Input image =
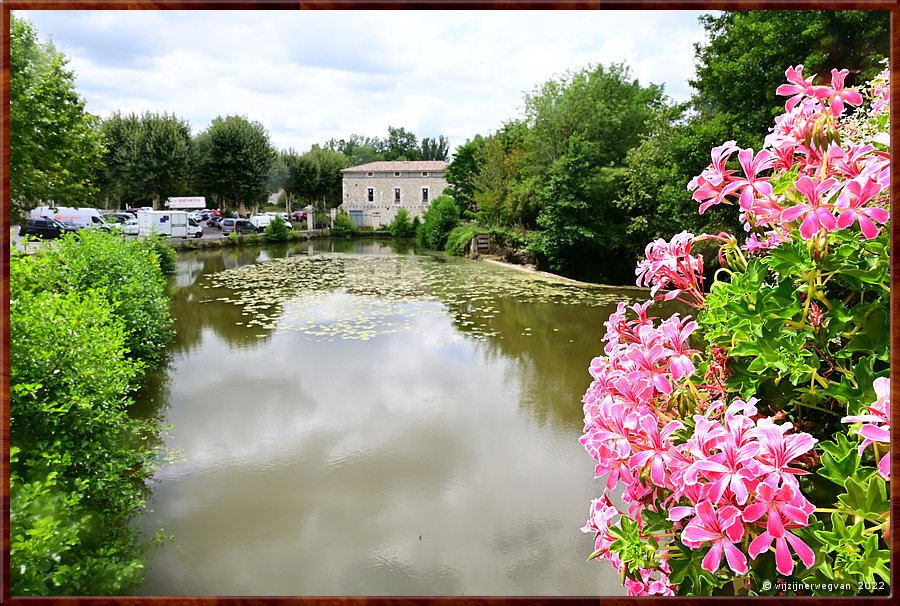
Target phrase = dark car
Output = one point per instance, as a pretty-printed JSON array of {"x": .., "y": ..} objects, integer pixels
[
  {"x": 241, "y": 226},
  {"x": 45, "y": 228},
  {"x": 214, "y": 221}
]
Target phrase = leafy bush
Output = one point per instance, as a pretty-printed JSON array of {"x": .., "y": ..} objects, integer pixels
[
  {"x": 83, "y": 316},
  {"x": 459, "y": 238},
  {"x": 401, "y": 226},
  {"x": 277, "y": 230},
  {"x": 343, "y": 226},
  {"x": 757, "y": 446},
  {"x": 125, "y": 272},
  {"x": 166, "y": 254},
  {"x": 439, "y": 220}
]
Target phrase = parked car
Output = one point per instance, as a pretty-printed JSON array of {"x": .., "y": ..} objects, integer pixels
[
  {"x": 129, "y": 227},
  {"x": 122, "y": 217},
  {"x": 241, "y": 226},
  {"x": 298, "y": 216},
  {"x": 214, "y": 221},
  {"x": 45, "y": 228}
]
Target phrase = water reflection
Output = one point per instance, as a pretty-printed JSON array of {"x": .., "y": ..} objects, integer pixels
[{"x": 426, "y": 445}]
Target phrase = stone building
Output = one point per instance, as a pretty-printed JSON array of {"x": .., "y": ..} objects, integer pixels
[{"x": 374, "y": 192}]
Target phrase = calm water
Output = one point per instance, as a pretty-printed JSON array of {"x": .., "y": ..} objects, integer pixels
[{"x": 358, "y": 419}]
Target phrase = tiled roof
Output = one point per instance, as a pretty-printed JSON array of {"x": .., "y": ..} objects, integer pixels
[{"x": 411, "y": 165}]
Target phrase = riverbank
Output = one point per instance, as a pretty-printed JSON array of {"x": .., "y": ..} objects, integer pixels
[{"x": 531, "y": 269}]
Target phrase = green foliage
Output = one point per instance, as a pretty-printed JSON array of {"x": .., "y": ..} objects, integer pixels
[
  {"x": 125, "y": 272},
  {"x": 435, "y": 149},
  {"x": 460, "y": 236},
  {"x": 277, "y": 230},
  {"x": 401, "y": 226},
  {"x": 55, "y": 149},
  {"x": 744, "y": 61},
  {"x": 82, "y": 319},
  {"x": 462, "y": 172},
  {"x": 400, "y": 145},
  {"x": 166, "y": 255},
  {"x": 762, "y": 315},
  {"x": 147, "y": 158},
  {"x": 806, "y": 331},
  {"x": 458, "y": 239},
  {"x": 343, "y": 226},
  {"x": 233, "y": 158},
  {"x": 439, "y": 220}
]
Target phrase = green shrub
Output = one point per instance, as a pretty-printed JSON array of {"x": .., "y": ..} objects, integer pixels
[
  {"x": 277, "y": 230},
  {"x": 78, "y": 463},
  {"x": 126, "y": 273},
  {"x": 343, "y": 226},
  {"x": 440, "y": 219},
  {"x": 165, "y": 253},
  {"x": 459, "y": 238},
  {"x": 401, "y": 226}
]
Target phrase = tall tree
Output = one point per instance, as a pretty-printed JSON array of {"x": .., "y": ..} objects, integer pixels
[
  {"x": 401, "y": 145},
  {"x": 233, "y": 160},
  {"x": 581, "y": 129},
  {"x": 435, "y": 149},
  {"x": 462, "y": 171},
  {"x": 55, "y": 148},
  {"x": 358, "y": 149},
  {"x": 147, "y": 159},
  {"x": 744, "y": 61},
  {"x": 318, "y": 176}
]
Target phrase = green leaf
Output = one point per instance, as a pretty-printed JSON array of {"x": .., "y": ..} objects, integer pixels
[
  {"x": 840, "y": 459},
  {"x": 867, "y": 497}
]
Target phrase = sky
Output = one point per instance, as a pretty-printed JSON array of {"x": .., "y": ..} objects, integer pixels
[{"x": 309, "y": 76}]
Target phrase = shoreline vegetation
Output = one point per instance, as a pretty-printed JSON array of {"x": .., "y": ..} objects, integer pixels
[{"x": 89, "y": 318}]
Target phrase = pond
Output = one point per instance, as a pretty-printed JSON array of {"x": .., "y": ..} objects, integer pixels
[{"x": 359, "y": 418}]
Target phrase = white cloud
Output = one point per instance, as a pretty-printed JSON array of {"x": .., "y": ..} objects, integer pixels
[{"x": 308, "y": 76}]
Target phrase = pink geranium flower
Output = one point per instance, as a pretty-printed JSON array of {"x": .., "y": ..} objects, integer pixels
[
  {"x": 877, "y": 425},
  {"x": 778, "y": 505},
  {"x": 722, "y": 528},
  {"x": 838, "y": 95},
  {"x": 753, "y": 184},
  {"x": 779, "y": 450},
  {"x": 658, "y": 452},
  {"x": 852, "y": 204},
  {"x": 798, "y": 87},
  {"x": 817, "y": 215},
  {"x": 710, "y": 186},
  {"x": 783, "y": 544}
]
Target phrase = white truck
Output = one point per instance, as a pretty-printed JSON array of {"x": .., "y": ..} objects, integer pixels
[
  {"x": 80, "y": 217},
  {"x": 171, "y": 223},
  {"x": 261, "y": 221}
]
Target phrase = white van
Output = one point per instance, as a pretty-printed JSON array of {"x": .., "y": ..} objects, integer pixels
[
  {"x": 261, "y": 221},
  {"x": 80, "y": 217},
  {"x": 172, "y": 223}
]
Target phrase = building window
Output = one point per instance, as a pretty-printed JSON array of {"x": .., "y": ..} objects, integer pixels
[
  {"x": 369, "y": 174},
  {"x": 425, "y": 174},
  {"x": 396, "y": 174},
  {"x": 424, "y": 195},
  {"x": 370, "y": 194},
  {"x": 396, "y": 195}
]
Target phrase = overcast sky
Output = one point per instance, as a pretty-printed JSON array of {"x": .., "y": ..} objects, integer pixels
[{"x": 308, "y": 76}]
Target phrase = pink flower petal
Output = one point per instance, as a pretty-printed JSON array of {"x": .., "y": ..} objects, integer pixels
[
  {"x": 802, "y": 550},
  {"x": 783, "y": 562},
  {"x": 713, "y": 558},
  {"x": 737, "y": 561}
]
